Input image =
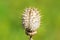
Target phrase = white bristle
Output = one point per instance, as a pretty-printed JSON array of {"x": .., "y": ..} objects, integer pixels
[{"x": 31, "y": 19}]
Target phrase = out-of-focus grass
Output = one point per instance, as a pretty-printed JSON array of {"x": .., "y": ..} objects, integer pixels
[{"x": 11, "y": 19}]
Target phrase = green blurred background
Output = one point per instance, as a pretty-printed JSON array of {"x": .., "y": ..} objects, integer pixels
[{"x": 11, "y": 19}]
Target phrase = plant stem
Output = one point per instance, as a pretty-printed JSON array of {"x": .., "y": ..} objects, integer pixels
[{"x": 30, "y": 38}]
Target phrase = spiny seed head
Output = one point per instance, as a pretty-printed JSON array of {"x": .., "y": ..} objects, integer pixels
[{"x": 31, "y": 19}]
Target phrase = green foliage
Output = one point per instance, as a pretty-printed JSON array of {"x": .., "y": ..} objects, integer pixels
[{"x": 11, "y": 19}]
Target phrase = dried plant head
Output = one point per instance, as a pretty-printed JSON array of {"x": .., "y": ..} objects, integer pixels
[{"x": 31, "y": 19}]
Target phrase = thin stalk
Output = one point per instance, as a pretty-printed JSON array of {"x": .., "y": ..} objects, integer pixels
[{"x": 30, "y": 38}]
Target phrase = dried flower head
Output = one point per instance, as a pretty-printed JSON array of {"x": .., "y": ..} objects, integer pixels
[{"x": 31, "y": 19}]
